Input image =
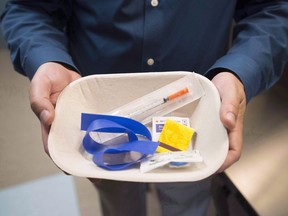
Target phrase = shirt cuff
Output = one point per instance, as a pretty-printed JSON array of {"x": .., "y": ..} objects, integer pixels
[
  {"x": 36, "y": 57},
  {"x": 242, "y": 66}
]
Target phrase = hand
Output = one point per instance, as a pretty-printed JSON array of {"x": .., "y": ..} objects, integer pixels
[
  {"x": 233, "y": 105},
  {"x": 48, "y": 82}
]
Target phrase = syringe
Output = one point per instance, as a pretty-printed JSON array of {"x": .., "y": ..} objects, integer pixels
[{"x": 157, "y": 103}]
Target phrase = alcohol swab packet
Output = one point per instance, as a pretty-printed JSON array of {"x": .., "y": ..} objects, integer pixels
[
  {"x": 173, "y": 134},
  {"x": 161, "y": 159}
]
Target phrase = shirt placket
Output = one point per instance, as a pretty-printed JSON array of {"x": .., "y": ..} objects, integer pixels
[{"x": 152, "y": 36}]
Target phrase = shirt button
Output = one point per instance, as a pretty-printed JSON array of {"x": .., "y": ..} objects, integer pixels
[
  {"x": 150, "y": 61},
  {"x": 154, "y": 3}
]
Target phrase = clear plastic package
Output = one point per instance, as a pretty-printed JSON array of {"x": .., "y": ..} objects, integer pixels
[{"x": 162, "y": 101}]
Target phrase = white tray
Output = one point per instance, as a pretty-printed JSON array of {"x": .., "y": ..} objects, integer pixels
[{"x": 103, "y": 93}]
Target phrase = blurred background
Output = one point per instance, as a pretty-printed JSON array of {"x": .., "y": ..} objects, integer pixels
[{"x": 30, "y": 184}]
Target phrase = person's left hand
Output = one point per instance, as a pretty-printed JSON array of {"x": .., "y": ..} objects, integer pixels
[
  {"x": 233, "y": 106},
  {"x": 45, "y": 87}
]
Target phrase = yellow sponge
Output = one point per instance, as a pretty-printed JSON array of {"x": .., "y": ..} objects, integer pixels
[{"x": 174, "y": 137}]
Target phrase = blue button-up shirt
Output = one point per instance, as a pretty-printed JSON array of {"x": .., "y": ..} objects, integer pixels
[{"x": 118, "y": 36}]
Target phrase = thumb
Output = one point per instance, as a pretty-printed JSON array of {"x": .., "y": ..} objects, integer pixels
[
  {"x": 39, "y": 96},
  {"x": 229, "y": 89},
  {"x": 43, "y": 109},
  {"x": 229, "y": 112},
  {"x": 46, "y": 117}
]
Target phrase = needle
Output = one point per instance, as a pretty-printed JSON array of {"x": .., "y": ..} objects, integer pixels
[{"x": 156, "y": 104}]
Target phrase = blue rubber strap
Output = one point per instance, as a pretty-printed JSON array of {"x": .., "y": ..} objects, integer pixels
[
  {"x": 136, "y": 146},
  {"x": 105, "y": 126},
  {"x": 116, "y": 124},
  {"x": 135, "y": 126}
]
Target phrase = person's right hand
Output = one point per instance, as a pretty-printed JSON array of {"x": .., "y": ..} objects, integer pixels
[{"x": 48, "y": 82}]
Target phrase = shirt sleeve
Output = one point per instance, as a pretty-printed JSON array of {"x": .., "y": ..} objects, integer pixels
[
  {"x": 20, "y": 21},
  {"x": 259, "y": 48}
]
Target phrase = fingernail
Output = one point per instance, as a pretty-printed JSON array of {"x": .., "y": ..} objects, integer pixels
[
  {"x": 44, "y": 116},
  {"x": 231, "y": 117}
]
